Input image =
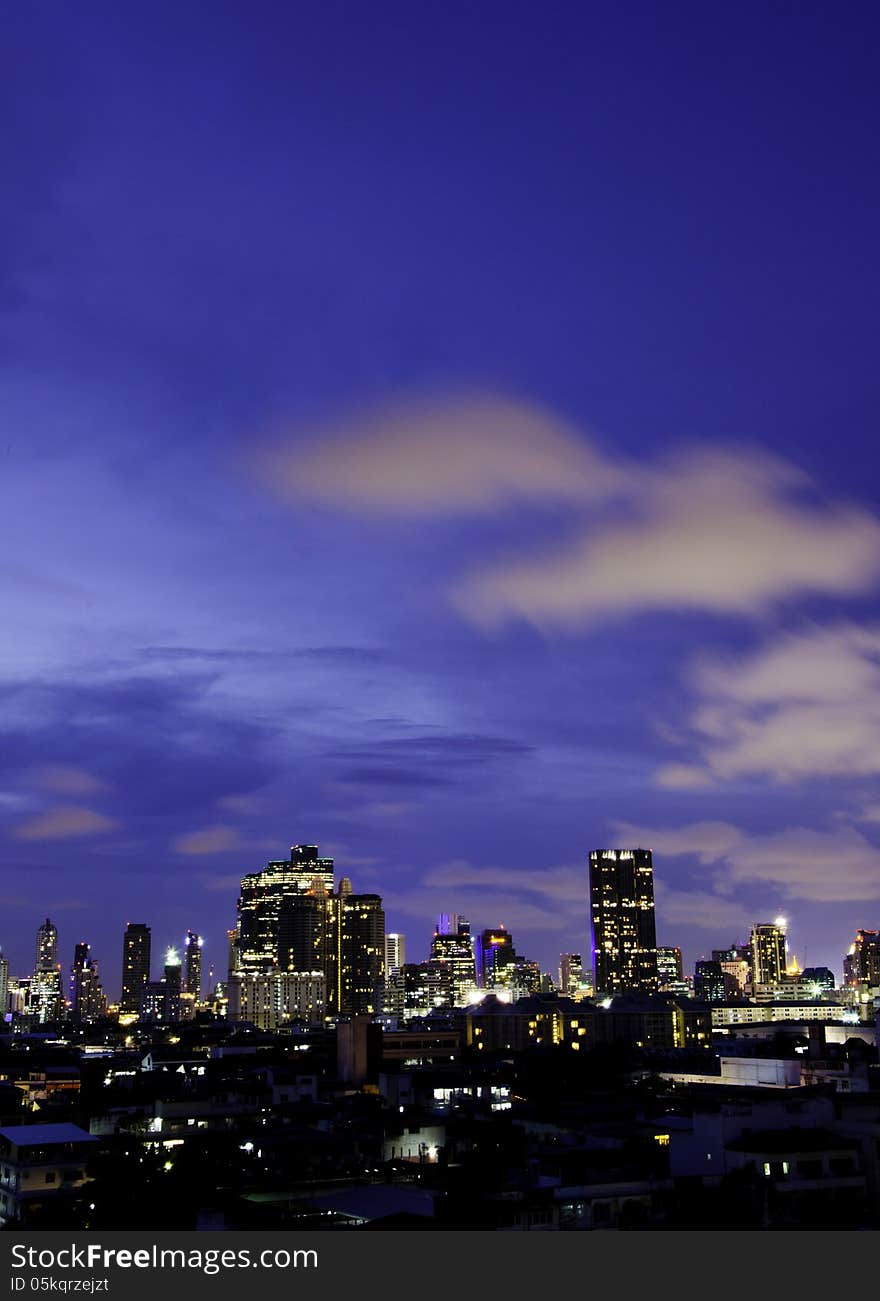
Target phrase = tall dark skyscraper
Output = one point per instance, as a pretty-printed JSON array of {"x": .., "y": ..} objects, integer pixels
[
  {"x": 291, "y": 920},
  {"x": 622, "y": 919},
  {"x": 495, "y": 957},
  {"x": 87, "y": 1001},
  {"x": 361, "y": 965},
  {"x": 46, "y": 958},
  {"x": 192, "y": 972},
  {"x": 768, "y": 952},
  {"x": 263, "y": 898},
  {"x": 135, "y": 966},
  {"x": 669, "y": 966}
]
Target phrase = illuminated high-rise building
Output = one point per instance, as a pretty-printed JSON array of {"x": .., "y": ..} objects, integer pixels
[
  {"x": 736, "y": 963},
  {"x": 361, "y": 961},
  {"x": 47, "y": 947},
  {"x": 291, "y": 920},
  {"x": 571, "y": 974},
  {"x": 277, "y": 998},
  {"x": 263, "y": 898},
  {"x": 4, "y": 986},
  {"x": 172, "y": 975},
  {"x": 192, "y": 971},
  {"x": 622, "y": 919},
  {"x": 87, "y": 1001},
  {"x": 768, "y": 952},
  {"x": 395, "y": 952},
  {"x": 455, "y": 951},
  {"x": 862, "y": 962},
  {"x": 495, "y": 958},
  {"x": 709, "y": 983},
  {"x": 670, "y": 971},
  {"x": 136, "y": 946}
]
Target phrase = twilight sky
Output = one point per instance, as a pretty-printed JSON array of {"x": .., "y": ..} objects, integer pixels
[{"x": 447, "y": 434}]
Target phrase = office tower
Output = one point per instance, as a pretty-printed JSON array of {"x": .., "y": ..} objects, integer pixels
[
  {"x": 47, "y": 947},
  {"x": 135, "y": 966},
  {"x": 862, "y": 962},
  {"x": 172, "y": 974},
  {"x": 622, "y": 919},
  {"x": 87, "y": 1001},
  {"x": 455, "y": 951},
  {"x": 736, "y": 963},
  {"x": 4, "y": 986},
  {"x": 709, "y": 984},
  {"x": 571, "y": 974},
  {"x": 670, "y": 970},
  {"x": 768, "y": 953},
  {"x": 395, "y": 952},
  {"x": 192, "y": 972},
  {"x": 361, "y": 963},
  {"x": 416, "y": 989},
  {"x": 46, "y": 996},
  {"x": 263, "y": 895},
  {"x": 525, "y": 978},
  {"x": 276, "y": 998},
  {"x": 495, "y": 957}
]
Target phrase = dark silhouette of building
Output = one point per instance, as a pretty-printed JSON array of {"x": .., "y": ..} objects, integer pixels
[
  {"x": 622, "y": 918},
  {"x": 136, "y": 954}
]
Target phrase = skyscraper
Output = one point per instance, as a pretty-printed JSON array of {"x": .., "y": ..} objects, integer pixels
[
  {"x": 47, "y": 947},
  {"x": 361, "y": 962},
  {"x": 670, "y": 971},
  {"x": 495, "y": 958},
  {"x": 135, "y": 966},
  {"x": 572, "y": 978},
  {"x": 4, "y": 986},
  {"x": 709, "y": 981},
  {"x": 768, "y": 953},
  {"x": 395, "y": 951},
  {"x": 172, "y": 974},
  {"x": 622, "y": 918},
  {"x": 87, "y": 1001},
  {"x": 262, "y": 898},
  {"x": 862, "y": 962},
  {"x": 455, "y": 950},
  {"x": 192, "y": 973}
]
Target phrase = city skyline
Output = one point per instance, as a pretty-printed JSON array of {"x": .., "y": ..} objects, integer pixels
[
  {"x": 450, "y": 436},
  {"x": 766, "y": 940}
]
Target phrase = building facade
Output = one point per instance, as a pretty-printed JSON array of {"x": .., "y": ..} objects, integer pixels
[
  {"x": 622, "y": 920},
  {"x": 136, "y": 956}
]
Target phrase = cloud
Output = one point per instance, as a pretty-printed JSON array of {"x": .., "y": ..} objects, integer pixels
[
  {"x": 700, "y": 909},
  {"x": 217, "y": 839},
  {"x": 796, "y": 863},
  {"x": 805, "y": 706},
  {"x": 65, "y": 779},
  {"x": 454, "y": 455},
  {"x": 64, "y": 823},
  {"x": 728, "y": 532}
]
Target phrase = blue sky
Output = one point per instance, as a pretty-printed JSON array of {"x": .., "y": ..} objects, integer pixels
[{"x": 448, "y": 436}]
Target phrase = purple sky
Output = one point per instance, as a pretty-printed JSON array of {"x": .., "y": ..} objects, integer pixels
[{"x": 448, "y": 435}]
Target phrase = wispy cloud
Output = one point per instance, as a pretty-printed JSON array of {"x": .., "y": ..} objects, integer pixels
[
  {"x": 452, "y": 455},
  {"x": 66, "y": 779},
  {"x": 220, "y": 838},
  {"x": 64, "y": 823},
  {"x": 805, "y": 705},
  {"x": 796, "y": 862},
  {"x": 729, "y": 531}
]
